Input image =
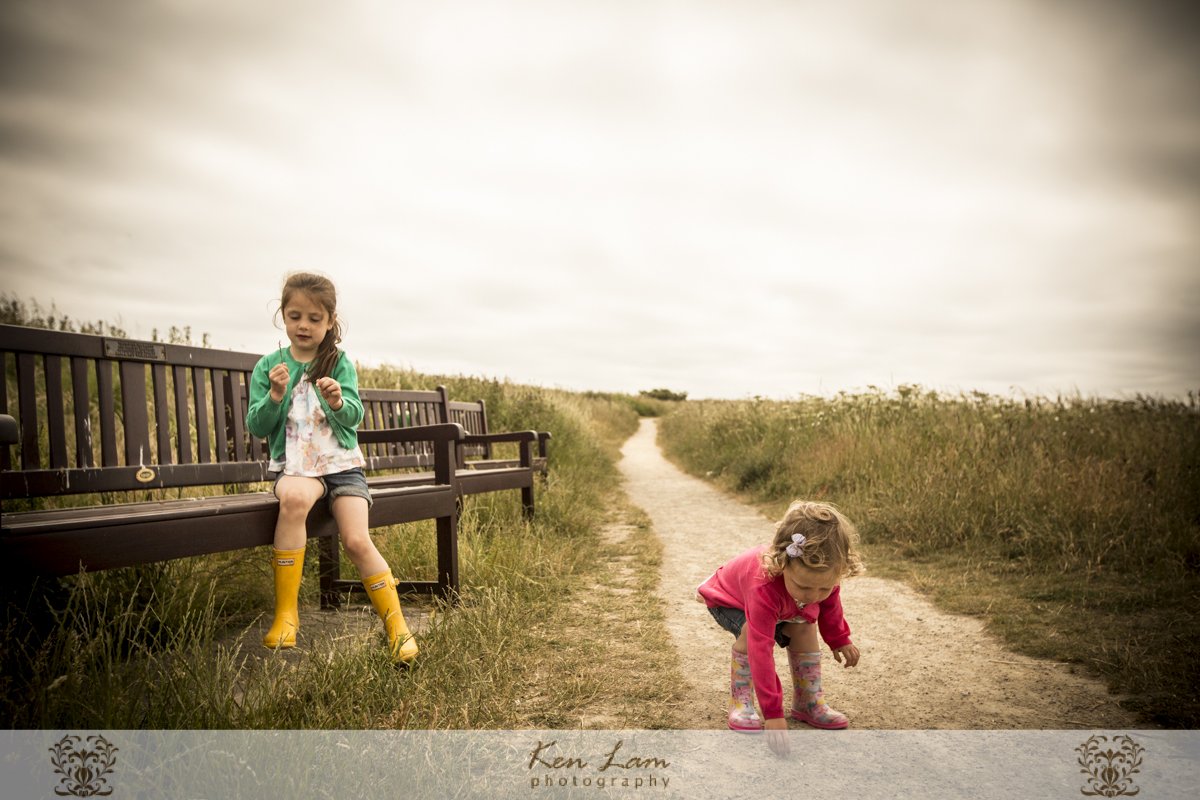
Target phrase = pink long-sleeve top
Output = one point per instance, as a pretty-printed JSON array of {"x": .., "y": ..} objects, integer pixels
[{"x": 742, "y": 583}]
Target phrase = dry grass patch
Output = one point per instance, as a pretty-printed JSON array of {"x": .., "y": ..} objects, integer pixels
[{"x": 606, "y": 659}]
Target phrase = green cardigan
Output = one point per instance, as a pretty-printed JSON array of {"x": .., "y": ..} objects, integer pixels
[{"x": 268, "y": 419}]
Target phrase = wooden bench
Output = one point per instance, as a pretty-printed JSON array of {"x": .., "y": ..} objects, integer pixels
[
  {"x": 402, "y": 409},
  {"x": 173, "y": 417},
  {"x": 478, "y": 453},
  {"x": 478, "y": 472}
]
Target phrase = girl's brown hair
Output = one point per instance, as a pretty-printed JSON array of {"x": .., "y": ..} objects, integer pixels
[
  {"x": 830, "y": 540},
  {"x": 321, "y": 290}
]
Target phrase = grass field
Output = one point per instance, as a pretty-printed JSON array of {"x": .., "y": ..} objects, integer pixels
[
  {"x": 158, "y": 646},
  {"x": 1071, "y": 525}
]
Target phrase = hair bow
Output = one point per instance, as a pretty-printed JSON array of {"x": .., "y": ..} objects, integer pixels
[{"x": 796, "y": 548}]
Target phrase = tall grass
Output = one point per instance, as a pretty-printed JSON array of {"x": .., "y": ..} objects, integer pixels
[
  {"x": 160, "y": 646},
  {"x": 1089, "y": 505}
]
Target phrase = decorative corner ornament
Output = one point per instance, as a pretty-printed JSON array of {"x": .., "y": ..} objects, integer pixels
[
  {"x": 1109, "y": 770},
  {"x": 84, "y": 770}
]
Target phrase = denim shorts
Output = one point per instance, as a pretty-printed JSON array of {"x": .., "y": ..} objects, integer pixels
[
  {"x": 732, "y": 620},
  {"x": 351, "y": 483}
]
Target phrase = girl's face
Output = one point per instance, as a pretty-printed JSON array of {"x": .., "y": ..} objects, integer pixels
[
  {"x": 306, "y": 322},
  {"x": 809, "y": 585}
]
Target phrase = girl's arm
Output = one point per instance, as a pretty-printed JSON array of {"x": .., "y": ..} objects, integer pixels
[
  {"x": 264, "y": 414},
  {"x": 832, "y": 622},
  {"x": 350, "y": 414}
]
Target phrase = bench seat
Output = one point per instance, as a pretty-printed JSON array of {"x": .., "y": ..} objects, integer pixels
[
  {"x": 58, "y": 541},
  {"x": 470, "y": 481}
]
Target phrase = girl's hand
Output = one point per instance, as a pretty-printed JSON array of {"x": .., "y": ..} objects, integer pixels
[
  {"x": 279, "y": 381},
  {"x": 331, "y": 390},
  {"x": 848, "y": 655},
  {"x": 777, "y": 738}
]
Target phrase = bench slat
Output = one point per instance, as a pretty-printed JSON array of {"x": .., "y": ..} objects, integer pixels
[
  {"x": 235, "y": 414},
  {"x": 133, "y": 413},
  {"x": 122, "y": 545},
  {"x": 470, "y": 481},
  {"x": 54, "y": 482},
  {"x": 56, "y": 415},
  {"x": 37, "y": 523},
  {"x": 33, "y": 523},
  {"x": 183, "y": 419},
  {"x": 371, "y": 420},
  {"x": 21, "y": 339},
  {"x": 27, "y": 402},
  {"x": 242, "y": 524},
  {"x": 162, "y": 414},
  {"x": 220, "y": 424},
  {"x": 203, "y": 450},
  {"x": 5, "y": 456},
  {"x": 81, "y": 408},
  {"x": 108, "y": 413}
]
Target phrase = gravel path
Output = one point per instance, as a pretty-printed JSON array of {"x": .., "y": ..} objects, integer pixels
[{"x": 921, "y": 668}]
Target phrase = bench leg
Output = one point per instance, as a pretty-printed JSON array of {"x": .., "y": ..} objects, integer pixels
[
  {"x": 527, "y": 500},
  {"x": 447, "y": 554},
  {"x": 527, "y": 492},
  {"x": 330, "y": 570}
]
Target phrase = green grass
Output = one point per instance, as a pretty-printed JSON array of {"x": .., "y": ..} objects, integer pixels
[
  {"x": 164, "y": 646},
  {"x": 1071, "y": 525}
]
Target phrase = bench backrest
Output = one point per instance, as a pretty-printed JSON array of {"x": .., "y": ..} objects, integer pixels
[
  {"x": 402, "y": 408},
  {"x": 473, "y": 417},
  {"x": 98, "y": 413}
]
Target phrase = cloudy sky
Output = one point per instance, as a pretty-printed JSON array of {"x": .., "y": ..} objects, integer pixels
[{"x": 724, "y": 198}]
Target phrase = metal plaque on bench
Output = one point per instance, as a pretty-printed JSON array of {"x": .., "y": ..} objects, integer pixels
[{"x": 131, "y": 349}]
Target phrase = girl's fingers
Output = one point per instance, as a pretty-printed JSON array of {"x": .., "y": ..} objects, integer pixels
[{"x": 330, "y": 388}]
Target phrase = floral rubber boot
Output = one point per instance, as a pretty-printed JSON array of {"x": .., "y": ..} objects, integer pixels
[
  {"x": 742, "y": 716},
  {"x": 808, "y": 701}
]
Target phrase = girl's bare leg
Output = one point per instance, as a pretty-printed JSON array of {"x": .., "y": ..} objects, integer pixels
[
  {"x": 296, "y": 495},
  {"x": 351, "y": 514}
]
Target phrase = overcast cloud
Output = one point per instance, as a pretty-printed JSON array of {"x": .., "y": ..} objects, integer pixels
[{"x": 728, "y": 199}]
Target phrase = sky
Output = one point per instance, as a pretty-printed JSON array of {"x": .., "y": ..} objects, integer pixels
[{"x": 730, "y": 199}]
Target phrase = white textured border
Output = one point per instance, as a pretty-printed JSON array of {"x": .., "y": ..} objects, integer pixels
[{"x": 408, "y": 765}]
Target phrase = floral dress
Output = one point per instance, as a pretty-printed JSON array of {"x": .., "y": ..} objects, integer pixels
[{"x": 312, "y": 448}]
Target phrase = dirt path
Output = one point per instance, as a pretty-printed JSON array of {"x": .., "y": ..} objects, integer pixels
[{"x": 921, "y": 668}]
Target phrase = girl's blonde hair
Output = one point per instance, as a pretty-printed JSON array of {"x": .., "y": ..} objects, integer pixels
[
  {"x": 830, "y": 540},
  {"x": 322, "y": 292}
]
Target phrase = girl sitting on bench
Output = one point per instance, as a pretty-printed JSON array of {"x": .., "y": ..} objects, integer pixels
[{"x": 304, "y": 401}]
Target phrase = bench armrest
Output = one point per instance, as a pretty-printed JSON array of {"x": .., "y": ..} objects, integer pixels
[
  {"x": 517, "y": 436},
  {"x": 442, "y": 432},
  {"x": 445, "y": 438},
  {"x": 9, "y": 433}
]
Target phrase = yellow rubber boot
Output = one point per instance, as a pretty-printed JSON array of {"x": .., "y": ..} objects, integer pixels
[
  {"x": 381, "y": 589},
  {"x": 288, "y": 566}
]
